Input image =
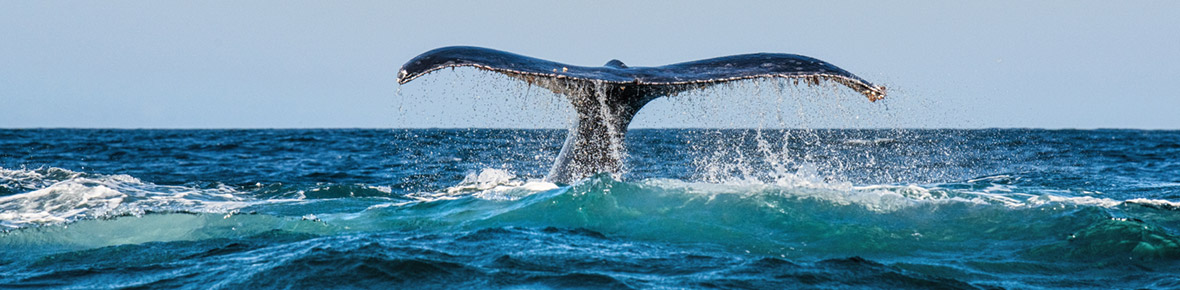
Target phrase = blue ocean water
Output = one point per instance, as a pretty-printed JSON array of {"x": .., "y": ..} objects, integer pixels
[{"x": 695, "y": 208}]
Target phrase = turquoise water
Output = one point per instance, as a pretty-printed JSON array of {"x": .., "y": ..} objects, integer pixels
[{"x": 944, "y": 209}]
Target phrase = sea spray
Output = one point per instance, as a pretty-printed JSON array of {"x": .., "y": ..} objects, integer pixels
[{"x": 1058, "y": 210}]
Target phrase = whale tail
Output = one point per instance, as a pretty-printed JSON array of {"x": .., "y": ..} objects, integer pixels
[{"x": 607, "y": 98}]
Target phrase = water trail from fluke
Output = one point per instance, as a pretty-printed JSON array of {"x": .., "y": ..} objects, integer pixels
[{"x": 772, "y": 131}]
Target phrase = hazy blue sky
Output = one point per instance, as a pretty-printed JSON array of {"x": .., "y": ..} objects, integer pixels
[{"x": 251, "y": 64}]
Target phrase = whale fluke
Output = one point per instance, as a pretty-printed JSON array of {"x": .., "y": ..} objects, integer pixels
[{"x": 606, "y": 98}]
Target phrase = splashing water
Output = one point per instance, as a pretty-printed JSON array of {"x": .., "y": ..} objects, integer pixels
[
  {"x": 1037, "y": 209},
  {"x": 767, "y": 207}
]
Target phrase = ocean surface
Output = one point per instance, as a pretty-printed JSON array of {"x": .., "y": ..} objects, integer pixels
[{"x": 695, "y": 208}]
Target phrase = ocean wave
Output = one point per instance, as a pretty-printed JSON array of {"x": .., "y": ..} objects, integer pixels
[
  {"x": 22, "y": 180},
  {"x": 501, "y": 257},
  {"x": 493, "y": 183},
  {"x": 1155, "y": 203},
  {"x": 810, "y": 219},
  {"x": 488, "y": 184},
  {"x": 59, "y": 195},
  {"x": 801, "y": 215}
]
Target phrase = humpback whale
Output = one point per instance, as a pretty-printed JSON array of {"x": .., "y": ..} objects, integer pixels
[{"x": 606, "y": 98}]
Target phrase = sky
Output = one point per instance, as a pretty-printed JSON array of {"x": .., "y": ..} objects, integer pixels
[{"x": 333, "y": 64}]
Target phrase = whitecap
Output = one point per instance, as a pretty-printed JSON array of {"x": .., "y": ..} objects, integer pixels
[{"x": 87, "y": 196}]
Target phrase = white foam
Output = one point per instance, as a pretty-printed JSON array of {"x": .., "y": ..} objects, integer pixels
[
  {"x": 81, "y": 196},
  {"x": 515, "y": 192},
  {"x": 489, "y": 184},
  {"x": 59, "y": 202},
  {"x": 39, "y": 178},
  {"x": 1046, "y": 199},
  {"x": 486, "y": 179},
  {"x": 875, "y": 198},
  {"x": 1156, "y": 202},
  {"x": 889, "y": 198}
]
